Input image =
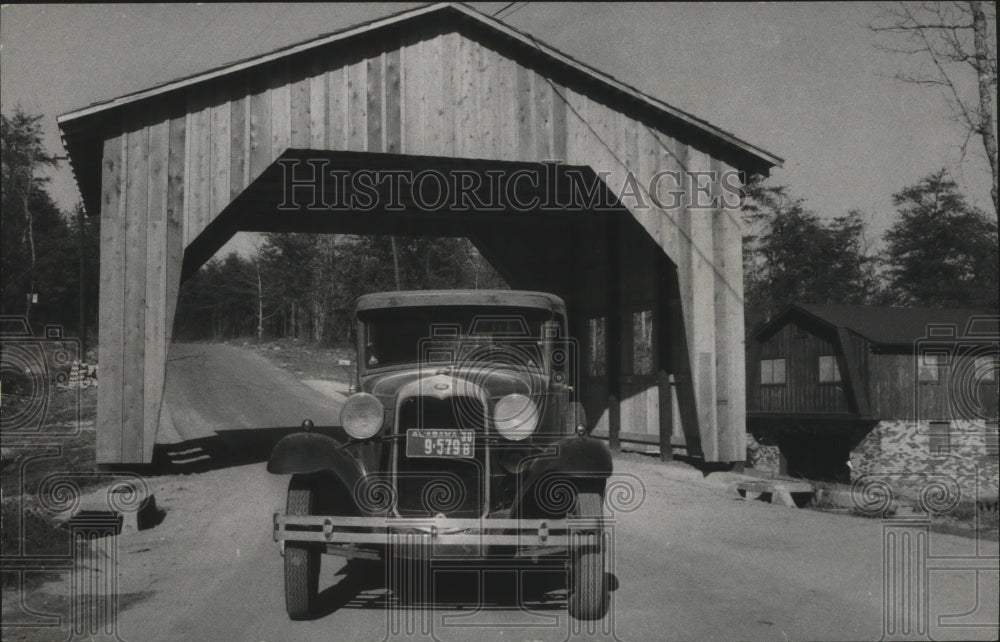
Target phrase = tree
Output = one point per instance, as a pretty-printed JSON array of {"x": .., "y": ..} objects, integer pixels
[
  {"x": 941, "y": 251},
  {"x": 790, "y": 255},
  {"x": 959, "y": 40},
  {"x": 29, "y": 216}
]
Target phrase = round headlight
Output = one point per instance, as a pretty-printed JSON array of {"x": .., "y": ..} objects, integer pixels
[
  {"x": 515, "y": 416},
  {"x": 362, "y": 415}
]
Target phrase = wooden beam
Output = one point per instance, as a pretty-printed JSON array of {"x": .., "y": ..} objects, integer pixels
[
  {"x": 155, "y": 356},
  {"x": 112, "y": 300},
  {"x": 613, "y": 335},
  {"x": 663, "y": 358},
  {"x": 375, "y": 97},
  {"x": 393, "y": 103},
  {"x": 132, "y": 379}
]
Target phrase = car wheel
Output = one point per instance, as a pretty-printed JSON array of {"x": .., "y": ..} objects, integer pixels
[
  {"x": 302, "y": 559},
  {"x": 588, "y": 590}
]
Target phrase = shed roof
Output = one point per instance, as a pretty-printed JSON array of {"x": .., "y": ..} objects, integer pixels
[
  {"x": 80, "y": 127},
  {"x": 895, "y": 326}
]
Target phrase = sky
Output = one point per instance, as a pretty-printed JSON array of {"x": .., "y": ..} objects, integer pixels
[{"x": 800, "y": 80}]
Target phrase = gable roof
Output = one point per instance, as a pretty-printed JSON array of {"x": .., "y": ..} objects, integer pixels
[
  {"x": 894, "y": 326},
  {"x": 78, "y": 127}
]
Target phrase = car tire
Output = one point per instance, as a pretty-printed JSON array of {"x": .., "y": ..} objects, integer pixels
[
  {"x": 588, "y": 589},
  {"x": 302, "y": 559}
]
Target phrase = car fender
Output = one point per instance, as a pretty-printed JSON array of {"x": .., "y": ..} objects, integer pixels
[
  {"x": 584, "y": 461},
  {"x": 306, "y": 453}
]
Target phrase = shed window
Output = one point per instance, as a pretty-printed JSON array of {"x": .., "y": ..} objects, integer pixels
[
  {"x": 940, "y": 437},
  {"x": 597, "y": 364},
  {"x": 772, "y": 371},
  {"x": 828, "y": 370},
  {"x": 929, "y": 367}
]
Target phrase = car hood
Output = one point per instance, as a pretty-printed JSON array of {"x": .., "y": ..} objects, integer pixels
[{"x": 491, "y": 382}]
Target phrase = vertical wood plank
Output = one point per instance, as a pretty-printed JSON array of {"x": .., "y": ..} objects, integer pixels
[
  {"x": 575, "y": 128},
  {"x": 357, "y": 111},
  {"x": 154, "y": 369},
  {"x": 220, "y": 158},
  {"x": 175, "y": 217},
  {"x": 648, "y": 165},
  {"x": 464, "y": 98},
  {"x": 507, "y": 103},
  {"x": 336, "y": 108},
  {"x": 260, "y": 130},
  {"x": 559, "y": 133},
  {"x": 393, "y": 102},
  {"x": 374, "y": 92},
  {"x": 448, "y": 62},
  {"x": 299, "y": 118},
  {"x": 199, "y": 200},
  {"x": 188, "y": 226},
  {"x": 733, "y": 443},
  {"x": 525, "y": 142},
  {"x": 281, "y": 108},
  {"x": 238, "y": 145},
  {"x": 488, "y": 81},
  {"x": 414, "y": 97},
  {"x": 133, "y": 373},
  {"x": 317, "y": 106},
  {"x": 701, "y": 331},
  {"x": 542, "y": 114},
  {"x": 432, "y": 98},
  {"x": 112, "y": 301}
]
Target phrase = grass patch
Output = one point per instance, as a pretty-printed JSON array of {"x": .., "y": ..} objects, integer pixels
[
  {"x": 69, "y": 454},
  {"x": 43, "y": 536},
  {"x": 304, "y": 359}
]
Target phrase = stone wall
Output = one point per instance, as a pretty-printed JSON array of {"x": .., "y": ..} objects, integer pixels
[
  {"x": 762, "y": 457},
  {"x": 920, "y": 456}
]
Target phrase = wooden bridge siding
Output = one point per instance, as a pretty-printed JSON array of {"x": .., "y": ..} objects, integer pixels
[
  {"x": 141, "y": 251},
  {"x": 442, "y": 95}
]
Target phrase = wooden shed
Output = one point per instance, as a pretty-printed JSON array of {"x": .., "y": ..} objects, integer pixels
[
  {"x": 653, "y": 285},
  {"x": 890, "y": 390}
]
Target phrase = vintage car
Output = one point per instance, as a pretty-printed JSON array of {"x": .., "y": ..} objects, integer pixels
[{"x": 459, "y": 439}]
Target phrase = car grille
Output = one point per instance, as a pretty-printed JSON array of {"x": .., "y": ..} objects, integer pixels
[{"x": 441, "y": 485}]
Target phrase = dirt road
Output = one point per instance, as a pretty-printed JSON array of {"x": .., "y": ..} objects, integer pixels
[{"x": 692, "y": 562}]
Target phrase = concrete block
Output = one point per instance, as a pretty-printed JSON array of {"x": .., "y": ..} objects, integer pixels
[
  {"x": 782, "y": 497},
  {"x": 116, "y": 517}
]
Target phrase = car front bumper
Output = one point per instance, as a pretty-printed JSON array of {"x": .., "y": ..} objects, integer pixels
[{"x": 525, "y": 536}]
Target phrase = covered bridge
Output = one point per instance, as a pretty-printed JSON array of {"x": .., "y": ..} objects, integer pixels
[{"x": 653, "y": 286}]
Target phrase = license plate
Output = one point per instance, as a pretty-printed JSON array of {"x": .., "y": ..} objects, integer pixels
[{"x": 430, "y": 442}]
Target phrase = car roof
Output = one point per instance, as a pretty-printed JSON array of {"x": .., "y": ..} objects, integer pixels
[{"x": 499, "y": 298}]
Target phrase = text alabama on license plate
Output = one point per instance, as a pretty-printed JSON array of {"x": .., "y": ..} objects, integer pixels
[{"x": 429, "y": 442}]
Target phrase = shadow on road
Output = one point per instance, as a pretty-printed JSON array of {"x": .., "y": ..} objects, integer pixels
[
  {"x": 455, "y": 585},
  {"x": 224, "y": 449}
]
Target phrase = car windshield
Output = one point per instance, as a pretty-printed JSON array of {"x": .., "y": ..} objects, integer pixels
[{"x": 453, "y": 335}]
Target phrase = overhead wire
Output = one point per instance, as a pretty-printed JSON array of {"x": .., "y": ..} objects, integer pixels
[{"x": 676, "y": 225}]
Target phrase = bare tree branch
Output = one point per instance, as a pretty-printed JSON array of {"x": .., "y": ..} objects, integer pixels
[{"x": 958, "y": 38}]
